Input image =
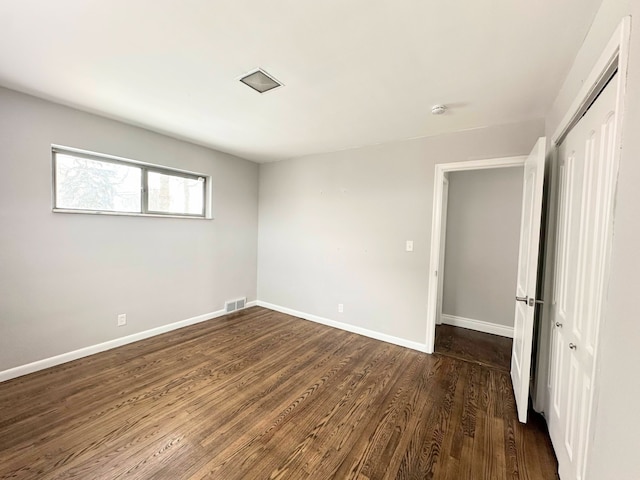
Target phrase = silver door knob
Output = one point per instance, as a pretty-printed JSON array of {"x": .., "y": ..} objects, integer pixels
[
  {"x": 558, "y": 324},
  {"x": 573, "y": 346},
  {"x": 522, "y": 299}
]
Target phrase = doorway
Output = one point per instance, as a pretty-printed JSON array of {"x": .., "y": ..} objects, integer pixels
[
  {"x": 480, "y": 235},
  {"x": 438, "y": 231}
]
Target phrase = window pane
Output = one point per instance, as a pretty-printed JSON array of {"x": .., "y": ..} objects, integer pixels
[
  {"x": 174, "y": 194},
  {"x": 94, "y": 185}
]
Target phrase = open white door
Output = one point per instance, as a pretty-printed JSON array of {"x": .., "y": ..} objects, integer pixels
[{"x": 527, "y": 276}]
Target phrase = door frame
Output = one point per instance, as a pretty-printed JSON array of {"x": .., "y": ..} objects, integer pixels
[
  {"x": 437, "y": 224},
  {"x": 615, "y": 56},
  {"x": 443, "y": 242}
]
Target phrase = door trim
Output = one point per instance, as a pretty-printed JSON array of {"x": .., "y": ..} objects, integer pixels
[
  {"x": 436, "y": 228},
  {"x": 443, "y": 250},
  {"x": 614, "y": 57}
]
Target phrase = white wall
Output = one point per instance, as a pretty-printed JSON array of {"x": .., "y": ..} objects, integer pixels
[
  {"x": 65, "y": 277},
  {"x": 333, "y": 227},
  {"x": 614, "y": 447},
  {"x": 481, "y": 254}
]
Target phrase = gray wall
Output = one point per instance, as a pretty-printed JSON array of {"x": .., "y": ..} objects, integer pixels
[
  {"x": 333, "y": 227},
  {"x": 65, "y": 277},
  {"x": 614, "y": 446},
  {"x": 483, "y": 234}
]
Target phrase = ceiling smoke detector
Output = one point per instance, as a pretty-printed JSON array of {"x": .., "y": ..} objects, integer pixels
[
  {"x": 438, "y": 109},
  {"x": 260, "y": 81}
]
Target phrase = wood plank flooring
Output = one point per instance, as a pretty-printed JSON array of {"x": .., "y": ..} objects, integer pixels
[
  {"x": 483, "y": 348},
  {"x": 262, "y": 395}
]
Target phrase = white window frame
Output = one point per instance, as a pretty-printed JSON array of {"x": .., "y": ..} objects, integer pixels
[{"x": 145, "y": 167}]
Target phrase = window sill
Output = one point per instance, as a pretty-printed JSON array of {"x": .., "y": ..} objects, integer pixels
[{"x": 128, "y": 214}]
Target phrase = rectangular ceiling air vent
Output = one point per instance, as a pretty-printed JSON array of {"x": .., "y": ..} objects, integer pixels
[{"x": 260, "y": 81}]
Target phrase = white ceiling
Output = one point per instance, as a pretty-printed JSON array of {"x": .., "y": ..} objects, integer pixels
[{"x": 356, "y": 72}]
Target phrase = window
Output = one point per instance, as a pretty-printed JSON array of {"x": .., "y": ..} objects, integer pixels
[{"x": 88, "y": 182}]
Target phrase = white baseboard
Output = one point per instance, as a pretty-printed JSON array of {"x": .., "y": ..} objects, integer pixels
[
  {"x": 421, "y": 347},
  {"x": 101, "y": 347},
  {"x": 479, "y": 325}
]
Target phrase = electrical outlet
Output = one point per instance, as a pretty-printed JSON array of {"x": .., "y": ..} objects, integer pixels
[
  {"x": 340, "y": 308},
  {"x": 409, "y": 246},
  {"x": 122, "y": 319}
]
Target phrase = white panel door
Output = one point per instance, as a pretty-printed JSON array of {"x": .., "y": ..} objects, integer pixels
[
  {"x": 585, "y": 201},
  {"x": 527, "y": 276}
]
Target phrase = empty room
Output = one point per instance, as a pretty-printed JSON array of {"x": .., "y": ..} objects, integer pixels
[{"x": 328, "y": 240}]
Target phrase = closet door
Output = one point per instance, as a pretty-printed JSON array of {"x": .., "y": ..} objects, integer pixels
[{"x": 585, "y": 205}]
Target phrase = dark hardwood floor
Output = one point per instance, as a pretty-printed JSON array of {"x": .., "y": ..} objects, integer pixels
[
  {"x": 485, "y": 349},
  {"x": 262, "y": 395}
]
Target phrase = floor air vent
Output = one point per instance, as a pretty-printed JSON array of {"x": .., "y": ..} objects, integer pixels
[{"x": 233, "y": 305}]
